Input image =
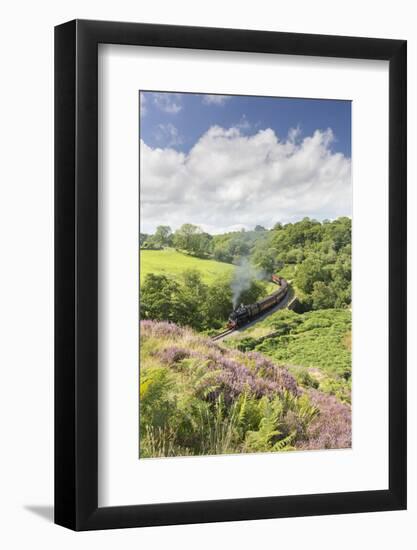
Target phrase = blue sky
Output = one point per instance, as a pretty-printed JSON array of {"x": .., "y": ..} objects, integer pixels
[
  {"x": 193, "y": 114},
  {"x": 232, "y": 162}
]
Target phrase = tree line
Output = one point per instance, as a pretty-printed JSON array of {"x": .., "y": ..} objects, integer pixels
[
  {"x": 190, "y": 238},
  {"x": 315, "y": 256}
]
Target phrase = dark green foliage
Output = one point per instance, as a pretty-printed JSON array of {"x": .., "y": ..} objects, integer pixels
[
  {"x": 192, "y": 239},
  {"x": 231, "y": 247},
  {"x": 187, "y": 302},
  {"x": 310, "y": 271},
  {"x": 265, "y": 258},
  {"x": 143, "y": 237},
  {"x": 252, "y": 294},
  {"x": 160, "y": 298},
  {"x": 218, "y": 304},
  {"x": 163, "y": 235},
  {"x": 323, "y": 295},
  {"x": 306, "y": 252},
  {"x": 321, "y": 254}
]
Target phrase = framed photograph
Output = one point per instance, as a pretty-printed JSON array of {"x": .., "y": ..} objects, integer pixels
[{"x": 230, "y": 253}]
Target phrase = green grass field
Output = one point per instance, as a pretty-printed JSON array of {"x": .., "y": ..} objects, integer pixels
[{"x": 169, "y": 262}]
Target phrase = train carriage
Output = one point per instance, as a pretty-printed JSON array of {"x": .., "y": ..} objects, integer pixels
[{"x": 245, "y": 313}]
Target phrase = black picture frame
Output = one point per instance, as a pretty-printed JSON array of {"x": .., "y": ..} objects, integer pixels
[{"x": 76, "y": 272}]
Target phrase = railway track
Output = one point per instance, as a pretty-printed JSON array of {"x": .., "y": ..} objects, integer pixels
[
  {"x": 246, "y": 316},
  {"x": 223, "y": 334},
  {"x": 285, "y": 303}
]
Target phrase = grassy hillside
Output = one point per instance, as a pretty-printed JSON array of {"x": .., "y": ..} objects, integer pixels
[
  {"x": 172, "y": 263},
  {"x": 315, "y": 345},
  {"x": 198, "y": 398}
]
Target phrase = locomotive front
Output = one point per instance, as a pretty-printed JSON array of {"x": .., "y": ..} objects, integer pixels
[{"x": 238, "y": 317}]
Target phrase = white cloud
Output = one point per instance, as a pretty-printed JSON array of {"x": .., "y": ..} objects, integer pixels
[
  {"x": 294, "y": 134},
  {"x": 229, "y": 180},
  {"x": 243, "y": 123},
  {"x": 169, "y": 103},
  {"x": 167, "y": 134},
  {"x": 215, "y": 99}
]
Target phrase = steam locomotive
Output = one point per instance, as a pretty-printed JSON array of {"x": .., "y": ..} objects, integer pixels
[{"x": 243, "y": 314}]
